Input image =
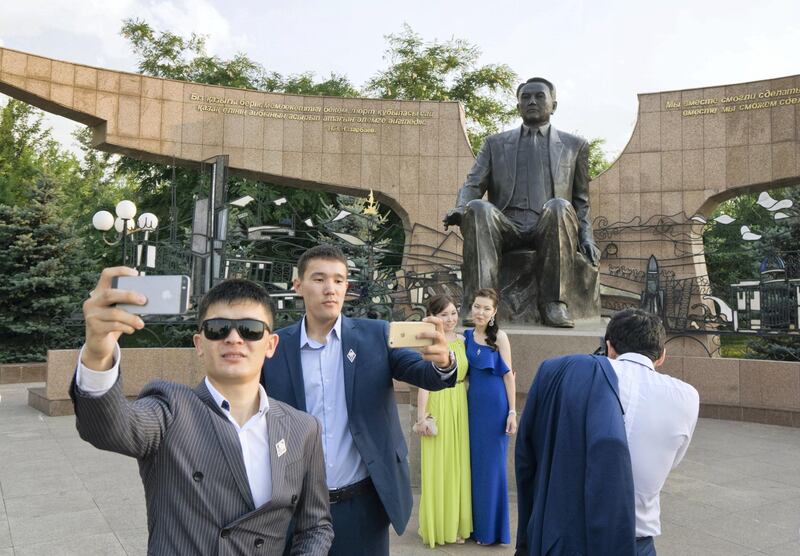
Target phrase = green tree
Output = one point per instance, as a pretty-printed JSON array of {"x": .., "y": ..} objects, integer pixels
[
  {"x": 730, "y": 259},
  {"x": 373, "y": 240},
  {"x": 598, "y": 162},
  {"x": 27, "y": 151},
  {"x": 45, "y": 275},
  {"x": 165, "y": 54},
  {"x": 449, "y": 70}
]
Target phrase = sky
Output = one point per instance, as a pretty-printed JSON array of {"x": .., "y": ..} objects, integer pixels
[{"x": 599, "y": 53}]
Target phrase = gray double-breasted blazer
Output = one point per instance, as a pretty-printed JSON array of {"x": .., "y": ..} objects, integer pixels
[{"x": 196, "y": 488}]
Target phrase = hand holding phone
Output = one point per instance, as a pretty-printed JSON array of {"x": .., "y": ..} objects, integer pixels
[
  {"x": 432, "y": 344},
  {"x": 105, "y": 323},
  {"x": 404, "y": 334}
]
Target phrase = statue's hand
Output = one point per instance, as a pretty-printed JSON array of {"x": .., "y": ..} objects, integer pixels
[
  {"x": 453, "y": 217},
  {"x": 591, "y": 252}
]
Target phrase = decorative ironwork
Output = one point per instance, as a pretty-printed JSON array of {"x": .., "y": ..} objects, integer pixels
[{"x": 392, "y": 279}]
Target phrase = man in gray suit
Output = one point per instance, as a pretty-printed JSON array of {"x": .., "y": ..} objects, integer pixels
[
  {"x": 537, "y": 183},
  {"x": 225, "y": 468}
]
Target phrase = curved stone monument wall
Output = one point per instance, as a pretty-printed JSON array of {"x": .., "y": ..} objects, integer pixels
[
  {"x": 412, "y": 154},
  {"x": 689, "y": 151}
]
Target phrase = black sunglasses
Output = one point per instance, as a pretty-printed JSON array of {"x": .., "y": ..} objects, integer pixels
[{"x": 251, "y": 330}]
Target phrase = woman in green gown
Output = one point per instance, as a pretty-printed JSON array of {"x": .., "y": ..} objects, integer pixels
[{"x": 445, "y": 507}]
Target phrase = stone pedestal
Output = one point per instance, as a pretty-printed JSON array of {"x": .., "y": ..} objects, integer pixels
[{"x": 529, "y": 347}]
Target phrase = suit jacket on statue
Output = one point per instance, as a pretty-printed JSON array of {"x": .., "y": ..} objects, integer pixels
[
  {"x": 495, "y": 169},
  {"x": 196, "y": 489},
  {"x": 371, "y": 405},
  {"x": 573, "y": 467}
]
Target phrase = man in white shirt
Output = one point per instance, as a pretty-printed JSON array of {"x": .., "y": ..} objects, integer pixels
[
  {"x": 225, "y": 468},
  {"x": 660, "y": 413}
]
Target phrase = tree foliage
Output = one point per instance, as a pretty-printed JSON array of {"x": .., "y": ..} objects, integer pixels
[
  {"x": 168, "y": 55},
  {"x": 28, "y": 152},
  {"x": 443, "y": 71},
  {"x": 598, "y": 162},
  {"x": 165, "y": 54},
  {"x": 731, "y": 260},
  {"x": 45, "y": 275}
]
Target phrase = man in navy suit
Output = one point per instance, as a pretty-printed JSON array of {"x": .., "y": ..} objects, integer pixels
[
  {"x": 340, "y": 370},
  {"x": 573, "y": 468}
]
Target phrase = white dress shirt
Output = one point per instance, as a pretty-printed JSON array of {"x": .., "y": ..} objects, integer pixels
[
  {"x": 253, "y": 436},
  {"x": 660, "y": 416}
]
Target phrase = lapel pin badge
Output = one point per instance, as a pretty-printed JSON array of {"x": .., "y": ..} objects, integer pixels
[
  {"x": 280, "y": 447},
  {"x": 351, "y": 355}
]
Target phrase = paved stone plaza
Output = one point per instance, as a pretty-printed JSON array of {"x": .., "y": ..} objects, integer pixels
[{"x": 736, "y": 493}]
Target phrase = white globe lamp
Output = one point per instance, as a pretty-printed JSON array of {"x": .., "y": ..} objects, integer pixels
[
  {"x": 103, "y": 220},
  {"x": 126, "y": 210}
]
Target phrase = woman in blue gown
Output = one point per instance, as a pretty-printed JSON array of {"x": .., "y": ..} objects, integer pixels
[{"x": 491, "y": 399}]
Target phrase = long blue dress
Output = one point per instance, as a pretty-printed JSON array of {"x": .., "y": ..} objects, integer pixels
[{"x": 488, "y": 442}]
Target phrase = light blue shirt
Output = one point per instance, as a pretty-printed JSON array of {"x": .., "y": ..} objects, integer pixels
[{"x": 323, "y": 376}]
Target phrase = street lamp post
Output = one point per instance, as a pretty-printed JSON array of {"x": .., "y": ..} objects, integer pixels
[{"x": 124, "y": 225}]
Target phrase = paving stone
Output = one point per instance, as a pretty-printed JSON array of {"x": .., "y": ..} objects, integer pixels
[
  {"x": 761, "y": 528},
  {"x": 86, "y": 545},
  {"x": 124, "y": 517},
  {"x": 133, "y": 541},
  {"x": 5, "y": 534},
  {"x": 55, "y": 527},
  {"x": 684, "y": 541},
  {"x": 42, "y": 484},
  {"x": 791, "y": 548},
  {"x": 32, "y": 507}
]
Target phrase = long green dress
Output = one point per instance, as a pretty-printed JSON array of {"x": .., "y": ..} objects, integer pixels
[{"x": 445, "y": 507}]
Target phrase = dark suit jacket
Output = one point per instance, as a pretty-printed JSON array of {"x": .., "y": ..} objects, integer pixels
[
  {"x": 495, "y": 169},
  {"x": 196, "y": 489},
  {"x": 371, "y": 405},
  {"x": 574, "y": 479}
]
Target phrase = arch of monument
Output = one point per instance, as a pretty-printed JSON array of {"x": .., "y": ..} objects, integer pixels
[
  {"x": 689, "y": 150},
  {"x": 412, "y": 154}
]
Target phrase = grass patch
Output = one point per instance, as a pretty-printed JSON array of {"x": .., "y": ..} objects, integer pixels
[{"x": 734, "y": 346}]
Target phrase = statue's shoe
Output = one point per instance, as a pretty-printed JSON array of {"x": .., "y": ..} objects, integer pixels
[{"x": 555, "y": 313}]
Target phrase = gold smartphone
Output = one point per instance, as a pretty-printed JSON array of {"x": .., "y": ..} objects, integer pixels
[{"x": 404, "y": 334}]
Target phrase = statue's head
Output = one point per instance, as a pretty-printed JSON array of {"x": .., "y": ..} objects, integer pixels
[{"x": 536, "y": 101}]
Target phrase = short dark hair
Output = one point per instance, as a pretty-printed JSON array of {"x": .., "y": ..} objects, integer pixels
[
  {"x": 233, "y": 290},
  {"x": 637, "y": 331},
  {"x": 439, "y": 303},
  {"x": 538, "y": 80},
  {"x": 322, "y": 251}
]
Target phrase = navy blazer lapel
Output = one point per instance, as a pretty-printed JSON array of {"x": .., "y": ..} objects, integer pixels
[
  {"x": 611, "y": 377},
  {"x": 295, "y": 365},
  {"x": 229, "y": 442},
  {"x": 349, "y": 357}
]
